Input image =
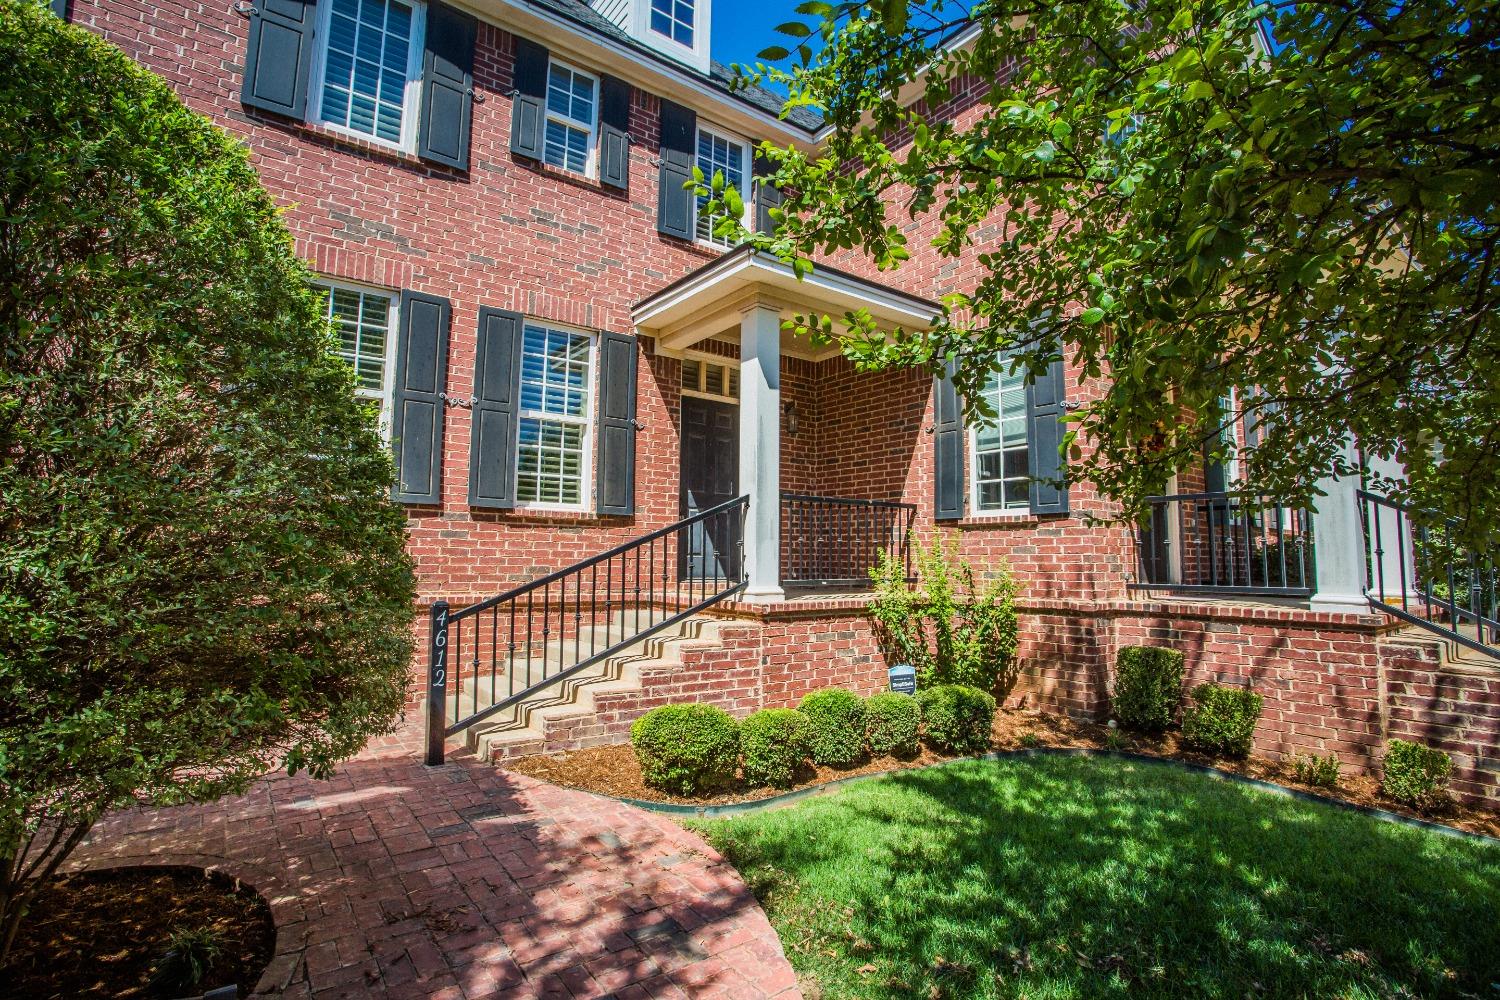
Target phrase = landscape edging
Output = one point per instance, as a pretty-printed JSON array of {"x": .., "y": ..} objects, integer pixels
[{"x": 729, "y": 809}]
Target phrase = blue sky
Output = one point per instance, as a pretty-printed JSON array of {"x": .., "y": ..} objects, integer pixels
[{"x": 741, "y": 28}]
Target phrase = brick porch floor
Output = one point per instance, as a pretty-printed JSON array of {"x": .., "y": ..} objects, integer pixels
[{"x": 395, "y": 880}]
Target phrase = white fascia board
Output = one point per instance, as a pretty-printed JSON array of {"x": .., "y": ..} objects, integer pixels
[{"x": 663, "y": 78}]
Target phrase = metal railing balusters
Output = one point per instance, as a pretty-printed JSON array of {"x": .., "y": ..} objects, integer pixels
[
  {"x": 1223, "y": 544},
  {"x": 836, "y": 541}
]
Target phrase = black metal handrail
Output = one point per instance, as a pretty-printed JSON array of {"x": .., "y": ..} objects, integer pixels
[
  {"x": 836, "y": 541},
  {"x": 1224, "y": 543},
  {"x": 1440, "y": 585},
  {"x": 534, "y": 636}
]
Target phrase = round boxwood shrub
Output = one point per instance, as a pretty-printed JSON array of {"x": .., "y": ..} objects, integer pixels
[
  {"x": 1416, "y": 775},
  {"x": 775, "y": 742},
  {"x": 895, "y": 723},
  {"x": 686, "y": 749},
  {"x": 1148, "y": 687},
  {"x": 957, "y": 719},
  {"x": 1222, "y": 720},
  {"x": 838, "y": 726}
]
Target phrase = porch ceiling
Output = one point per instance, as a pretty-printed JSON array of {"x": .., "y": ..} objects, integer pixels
[{"x": 708, "y": 302}]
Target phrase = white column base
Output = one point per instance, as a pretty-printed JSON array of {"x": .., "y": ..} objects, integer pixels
[{"x": 762, "y": 595}]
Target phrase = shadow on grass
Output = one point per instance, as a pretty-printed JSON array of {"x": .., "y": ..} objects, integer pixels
[{"x": 1068, "y": 877}]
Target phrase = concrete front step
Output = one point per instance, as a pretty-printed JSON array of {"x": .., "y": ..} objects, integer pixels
[
  {"x": 1453, "y": 653},
  {"x": 523, "y": 728}
]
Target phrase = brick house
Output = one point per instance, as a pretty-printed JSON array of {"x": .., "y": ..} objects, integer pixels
[{"x": 576, "y": 373}]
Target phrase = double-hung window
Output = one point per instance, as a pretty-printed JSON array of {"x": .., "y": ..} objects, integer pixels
[
  {"x": 718, "y": 154},
  {"x": 365, "y": 323},
  {"x": 673, "y": 19},
  {"x": 552, "y": 454},
  {"x": 1001, "y": 467},
  {"x": 571, "y": 111},
  {"x": 370, "y": 69}
]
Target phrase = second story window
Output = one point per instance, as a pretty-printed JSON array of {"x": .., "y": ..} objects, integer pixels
[
  {"x": 371, "y": 68},
  {"x": 1001, "y": 466},
  {"x": 571, "y": 107},
  {"x": 673, "y": 19},
  {"x": 719, "y": 154}
]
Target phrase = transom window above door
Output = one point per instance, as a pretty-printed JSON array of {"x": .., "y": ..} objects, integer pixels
[
  {"x": 366, "y": 331},
  {"x": 371, "y": 68},
  {"x": 710, "y": 379},
  {"x": 555, "y": 426},
  {"x": 571, "y": 104},
  {"x": 718, "y": 154},
  {"x": 1001, "y": 467}
]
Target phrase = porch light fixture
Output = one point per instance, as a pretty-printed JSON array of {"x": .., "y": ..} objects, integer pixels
[{"x": 790, "y": 409}]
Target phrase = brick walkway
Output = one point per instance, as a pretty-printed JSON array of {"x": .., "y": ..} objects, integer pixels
[{"x": 394, "y": 880}]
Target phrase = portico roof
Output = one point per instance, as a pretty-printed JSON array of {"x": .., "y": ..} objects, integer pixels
[{"x": 707, "y": 303}]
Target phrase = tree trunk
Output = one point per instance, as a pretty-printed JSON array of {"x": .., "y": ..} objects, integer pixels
[{"x": 25, "y": 869}]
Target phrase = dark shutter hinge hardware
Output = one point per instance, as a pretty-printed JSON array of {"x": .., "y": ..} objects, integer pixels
[
  {"x": 638, "y": 425},
  {"x": 458, "y": 400},
  {"x": 1073, "y": 406},
  {"x": 244, "y": 9},
  {"x": 476, "y": 96}
]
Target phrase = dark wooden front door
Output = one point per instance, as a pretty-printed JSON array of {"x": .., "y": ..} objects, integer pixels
[{"x": 710, "y": 476}]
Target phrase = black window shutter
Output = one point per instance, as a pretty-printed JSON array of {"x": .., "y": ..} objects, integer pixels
[
  {"x": 528, "y": 120},
  {"x": 279, "y": 56},
  {"x": 1045, "y": 406},
  {"x": 767, "y": 197},
  {"x": 947, "y": 448},
  {"x": 616, "y": 461},
  {"x": 421, "y": 376},
  {"x": 674, "y": 203},
  {"x": 614, "y": 133},
  {"x": 447, "y": 86},
  {"x": 497, "y": 386},
  {"x": 60, "y": 8}
]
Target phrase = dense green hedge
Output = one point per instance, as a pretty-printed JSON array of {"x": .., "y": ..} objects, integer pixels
[
  {"x": 1148, "y": 687},
  {"x": 957, "y": 719},
  {"x": 776, "y": 742},
  {"x": 895, "y": 724},
  {"x": 1222, "y": 719},
  {"x": 838, "y": 726},
  {"x": 1416, "y": 775},
  {"x": 687, "y": 749}
]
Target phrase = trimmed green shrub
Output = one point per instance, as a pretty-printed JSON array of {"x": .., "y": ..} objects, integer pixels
[
  {"x": 1222, "y": 720},
  {"x": 895, "y": 724},
  {"x": 775, "y": 742},
  {"x": 838, "y": 726},
  {"x": 686, "y": 749},
  {"x": 1416, "y": 775},
  {"x": 957, "y": 719},
  {"x": 1148, "y": 687},
  {"x": 1322, "y": 772}
]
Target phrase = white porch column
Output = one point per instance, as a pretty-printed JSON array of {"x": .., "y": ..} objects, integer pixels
[
  {"x": 760, "y": 448},
  {"x": 1339, "y": 545}
]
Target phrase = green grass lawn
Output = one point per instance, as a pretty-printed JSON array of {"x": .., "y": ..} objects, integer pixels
[{"x": 1072, "y": 877}]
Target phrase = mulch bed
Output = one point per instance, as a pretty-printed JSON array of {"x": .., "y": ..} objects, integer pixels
[
  {"x": 613, "y": 770},
  {"x": 101, "y": 934}
]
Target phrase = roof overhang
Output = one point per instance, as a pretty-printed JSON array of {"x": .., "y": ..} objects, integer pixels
[{"x": 708, "y": 303}]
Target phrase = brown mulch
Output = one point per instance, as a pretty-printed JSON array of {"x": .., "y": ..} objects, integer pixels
[
  {"x": 613, "y": 770},
  {"x": 102, "y": 933}
]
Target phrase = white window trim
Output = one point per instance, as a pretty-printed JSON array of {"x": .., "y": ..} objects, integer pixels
[
  {"x": 411, "y": 99},
  {"x": 746, "y": 176},
  {"x": 591, "y": 156},
  {"x": 971, "y": 473},
  {"x": 586, "y": 481},
  {"x": 386, "y": 394}
]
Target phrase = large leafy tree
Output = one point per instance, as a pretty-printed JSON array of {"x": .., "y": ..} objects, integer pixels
[
  {"x": 1304, "y": 225},
  {"x": 202, "y": 575}
]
